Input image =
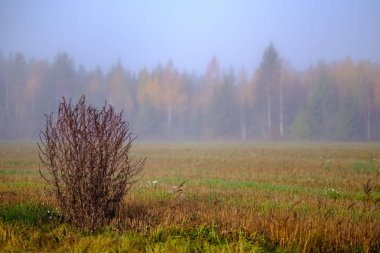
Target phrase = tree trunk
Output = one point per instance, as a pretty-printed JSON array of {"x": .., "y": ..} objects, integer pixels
[
  {"x": 243, "y": 123},
  {"x": 182, "y": 122},
  {"x": 170, "y": 117},
  {"x": 369, "y": 120},
  {"x": 7, "y": 98},
  {"x": 281, "y": 112},
  {"x": 269, "y": 114}
]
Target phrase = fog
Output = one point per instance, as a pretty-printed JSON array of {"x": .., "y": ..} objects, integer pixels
[{"x": 184, "y": 70}]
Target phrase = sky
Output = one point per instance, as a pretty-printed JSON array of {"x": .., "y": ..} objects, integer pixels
[{"x": 190, "y": 33}]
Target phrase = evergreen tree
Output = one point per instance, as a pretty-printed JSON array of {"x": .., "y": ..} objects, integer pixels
[
  {"x": 267, "y": 105},
  {"x": 322, "y": 105},
  {"x": 224, "y": 116}
]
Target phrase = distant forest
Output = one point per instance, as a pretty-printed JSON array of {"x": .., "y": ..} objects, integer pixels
[{"x": 337, "y": 101}]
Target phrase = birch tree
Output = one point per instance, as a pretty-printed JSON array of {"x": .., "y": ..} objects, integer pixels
[{"x": 268, "y": 86}]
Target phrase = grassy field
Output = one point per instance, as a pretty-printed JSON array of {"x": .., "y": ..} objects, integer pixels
[{"x": 238, "y": 197}]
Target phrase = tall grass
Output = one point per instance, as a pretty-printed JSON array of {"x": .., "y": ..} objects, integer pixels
[
  {"x": 237, "y": 198},
  {"x": 26, "y": 213}
]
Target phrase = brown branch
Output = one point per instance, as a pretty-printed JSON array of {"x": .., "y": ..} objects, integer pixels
[{"x": 85, "y": 155}]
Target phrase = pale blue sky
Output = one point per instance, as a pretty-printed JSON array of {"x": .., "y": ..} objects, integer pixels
[{"x": 144, "y": 33}]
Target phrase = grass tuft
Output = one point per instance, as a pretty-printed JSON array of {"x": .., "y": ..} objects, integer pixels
[{"x": 31, "y": 214}]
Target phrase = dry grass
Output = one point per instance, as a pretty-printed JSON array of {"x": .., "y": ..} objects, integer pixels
[{"x": 285, "y": 197}]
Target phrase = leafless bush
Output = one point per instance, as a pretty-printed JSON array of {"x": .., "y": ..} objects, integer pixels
[{"x": 86, "y": 154}]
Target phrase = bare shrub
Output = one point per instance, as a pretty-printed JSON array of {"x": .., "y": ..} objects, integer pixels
[{"x": 86, "y": 154}]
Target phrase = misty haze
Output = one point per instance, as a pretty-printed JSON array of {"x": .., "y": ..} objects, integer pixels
[
  {"x": 242, "y": 70},
  {"x": 247, "y": 126}
]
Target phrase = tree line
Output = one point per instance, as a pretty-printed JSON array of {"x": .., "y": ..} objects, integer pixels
[{"x": 337, "y": 101}]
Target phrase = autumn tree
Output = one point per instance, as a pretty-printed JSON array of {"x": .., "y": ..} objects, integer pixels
[
  {"x": 95, "y": 88},
  {"x": 61, "y": 79},
  {"x": 376, "y": 88},
  {"x": 119, "y": 90},
  {"x": 192, "y": 124},
  {"x": 15, "y": 81},
  {"x": 149, "y": 118},
  {"x": 338, "y": 100},
  {"x": 211, "y": 82},
  {"x": 364, "y": 95},
  {"x": 212, "y": 79},
  {"x": 37, "y": 78},
  {"x": 173, "y": 97},
  {"x": 347, "y": 117},
  {"x": 245, "y": 99},
  {"x": 376, "y": 99},
  {"x": 3, "y": 77},
  {"x": 283, "y": 86}
]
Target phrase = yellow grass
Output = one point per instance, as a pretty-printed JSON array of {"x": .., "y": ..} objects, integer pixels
[{"x": 278, "y": 196}]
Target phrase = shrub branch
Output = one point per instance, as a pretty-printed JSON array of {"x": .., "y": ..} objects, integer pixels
[{"x": 86, "y": 154}]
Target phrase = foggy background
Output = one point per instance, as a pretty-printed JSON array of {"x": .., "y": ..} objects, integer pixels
[{"x": 183, "y": 70}]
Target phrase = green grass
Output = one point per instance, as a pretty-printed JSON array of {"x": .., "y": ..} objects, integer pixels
[
  {"x": 238, "y": 197},
  {"x": 62, "y": 238},
  {"x": 17, "y": 172},
  {"x": 367, "y": 167},
  {"x": 26, "y": 213},
  {"x": 253, "y": 186}
]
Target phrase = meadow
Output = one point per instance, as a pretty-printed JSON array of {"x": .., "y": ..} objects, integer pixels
[{"x": 210, "y": 197}]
